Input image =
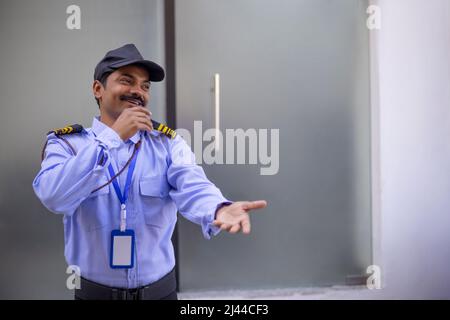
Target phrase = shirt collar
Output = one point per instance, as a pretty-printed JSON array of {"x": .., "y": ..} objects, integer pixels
[
  {"x": 136, "y": 137},
  {"x": 98, "y": 127}
]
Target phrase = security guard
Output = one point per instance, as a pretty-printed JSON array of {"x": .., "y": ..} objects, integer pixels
[{"x": 120, "y": 183}]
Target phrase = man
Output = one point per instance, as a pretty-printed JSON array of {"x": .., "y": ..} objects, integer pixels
[{"x": 119, "y": 184}]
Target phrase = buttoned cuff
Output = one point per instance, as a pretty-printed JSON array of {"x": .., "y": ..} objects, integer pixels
[
  {"x": 109, "y": 139},
  {"x": 210, "y": 229}
]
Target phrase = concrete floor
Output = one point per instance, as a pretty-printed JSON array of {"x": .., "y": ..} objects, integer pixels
[{"x": 319, "y": 293}]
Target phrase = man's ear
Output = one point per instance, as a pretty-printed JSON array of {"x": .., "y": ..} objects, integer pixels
[{"x": 97, "y": 89}]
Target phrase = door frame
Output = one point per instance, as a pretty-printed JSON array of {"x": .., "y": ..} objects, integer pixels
[
  {"x": 171, "y": 116},
  {"x": 375, "y": 159}
]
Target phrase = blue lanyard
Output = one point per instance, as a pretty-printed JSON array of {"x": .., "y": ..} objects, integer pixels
[{"x": 123, "y": 196}]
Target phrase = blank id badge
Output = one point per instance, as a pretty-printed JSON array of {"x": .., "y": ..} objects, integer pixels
[{"x": 122, "y": 249}]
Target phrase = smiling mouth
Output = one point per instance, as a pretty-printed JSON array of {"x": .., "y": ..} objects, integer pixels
[{"x": 135, "y": 101}]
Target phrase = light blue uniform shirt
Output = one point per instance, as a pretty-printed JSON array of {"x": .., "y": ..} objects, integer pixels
[{"x": 165, "y": 179}]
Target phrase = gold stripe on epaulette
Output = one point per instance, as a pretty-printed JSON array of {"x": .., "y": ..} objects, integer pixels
[
  {"x": 65, "y": 130},
  {"x": 75, "y": 128}
]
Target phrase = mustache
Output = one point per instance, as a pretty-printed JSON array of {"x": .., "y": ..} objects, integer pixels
[{"x": 133, "y": 97}]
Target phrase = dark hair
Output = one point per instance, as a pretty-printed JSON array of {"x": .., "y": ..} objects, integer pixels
[{"x": 103, "y": 80}]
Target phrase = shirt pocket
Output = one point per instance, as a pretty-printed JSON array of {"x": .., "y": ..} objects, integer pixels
[{"x": 154, "y": 192}]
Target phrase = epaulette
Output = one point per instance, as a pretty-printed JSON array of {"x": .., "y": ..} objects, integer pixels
[
  {"x": 75, "y": 128},
  {"x": 164, "y": 129}
]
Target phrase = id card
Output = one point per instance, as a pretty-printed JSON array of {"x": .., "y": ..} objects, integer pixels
[{"x": 122, "y": 249}]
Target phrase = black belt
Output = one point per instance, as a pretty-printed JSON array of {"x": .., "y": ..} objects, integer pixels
[{"x": 94, "y": 291}]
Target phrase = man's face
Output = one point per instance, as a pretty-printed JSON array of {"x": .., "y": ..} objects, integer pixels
[{"x": 126, "y": 87}]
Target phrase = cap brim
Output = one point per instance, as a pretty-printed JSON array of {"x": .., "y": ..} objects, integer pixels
[{"x": 155, "y": 71}]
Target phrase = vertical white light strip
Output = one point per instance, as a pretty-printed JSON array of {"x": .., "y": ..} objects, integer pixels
[
  {"x": 377, "y": 236},
  {"x": 217, "y": 110}
]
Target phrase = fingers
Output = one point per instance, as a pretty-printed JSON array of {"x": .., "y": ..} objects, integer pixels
[
  {"x": 144, "y": 124},
  {"x": 246, "y": 226},
  {"x": 140, "y": 109},
  {"x": 142, "y": 116},
  {"x": 144, "y": 119},
  {"x": 137, "y": 112},
  {"x": 225, "y": 227},
  {"x": 222, "y": 225},
  {"x": 234, "y": 228},
  {"x": 131, "y": 120},
  {"x": 259, "y": 204}
]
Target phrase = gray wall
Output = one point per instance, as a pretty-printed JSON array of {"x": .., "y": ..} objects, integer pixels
[{"x": 46, "y": 81}]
